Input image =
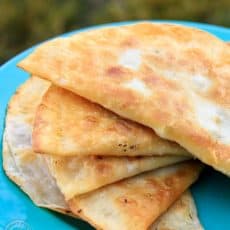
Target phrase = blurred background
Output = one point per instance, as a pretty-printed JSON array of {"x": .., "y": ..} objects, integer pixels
[{"x": 26, "y": 22}]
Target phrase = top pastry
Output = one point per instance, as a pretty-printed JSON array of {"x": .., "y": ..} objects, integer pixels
[{"x": 171, "y": 78}]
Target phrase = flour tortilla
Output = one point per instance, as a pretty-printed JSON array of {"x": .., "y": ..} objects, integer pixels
[
  {"x": 66, "y": 124},
  {"x": 182, "y": 215},
  {"x": 135, "y": 203},
  {"x": 171, "y": 78}
]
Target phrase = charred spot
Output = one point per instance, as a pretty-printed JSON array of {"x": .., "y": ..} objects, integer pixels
[
  {"x": 127, "y": 201},
  {"x": 79, "y": 211},
  {"x": 99, "y": 157},
  {"x": 126, "y": 147},
  {"x": 68, "y": 211},
  {"x": 132, "y": 146},
  {"x": 149, "y": 195}
]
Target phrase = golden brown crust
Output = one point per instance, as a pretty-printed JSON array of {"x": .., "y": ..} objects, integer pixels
[
  {"x": 171, "y": 78},
  {"x": 73, "y": 175},
  {"x": 135, "y": 203},
  {"x": 182, "y": 215},
  {"x": 79, "y": 175},
  {"x": 66, "y": 124}
]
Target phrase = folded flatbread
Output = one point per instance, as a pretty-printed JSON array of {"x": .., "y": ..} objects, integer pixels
[
  {"x": 135, "y": 203},
  {"x": 21, "y": 164},
  {"x": 76, "y": 175},
  {"x": 182, "y": 215},
  {"x": 27, "y": 169},
  {"x": 66, "y": 124},
  {"x": 73, "y": 175},
  {"x": 35, "y": 181},
  {"x": 170, "y": 78}
]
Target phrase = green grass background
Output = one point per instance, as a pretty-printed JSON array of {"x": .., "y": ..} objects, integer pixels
[{"x": 23, "y": 23}]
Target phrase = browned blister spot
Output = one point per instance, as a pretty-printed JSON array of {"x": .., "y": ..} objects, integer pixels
[
  {"x": 152, "y": 182},
  {"x": 129, "y": 42},
  {"x": 79, "y": 210},
  {"x": 159, "y": 82},
  {"x": 169, "y": 181},
  {"x": 103, "y": 168},
  {"x": 115, "y": 71}
]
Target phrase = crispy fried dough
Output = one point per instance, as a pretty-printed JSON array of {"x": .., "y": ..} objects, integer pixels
[
  {"x": 66, "y": 124},
  {"x": 135, "y": 203}
]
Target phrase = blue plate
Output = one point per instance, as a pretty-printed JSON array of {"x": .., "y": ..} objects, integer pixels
[{"x": 211, "y": 192}]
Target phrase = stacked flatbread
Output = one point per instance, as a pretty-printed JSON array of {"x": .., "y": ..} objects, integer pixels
[{"x": 109, "y": 134}]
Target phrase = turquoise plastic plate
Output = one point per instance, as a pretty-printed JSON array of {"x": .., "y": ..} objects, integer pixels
[{"x": 211, "y": 192}]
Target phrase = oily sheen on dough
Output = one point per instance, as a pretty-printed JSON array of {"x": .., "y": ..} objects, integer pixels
[
  {"x": 171, "y": 78},
  {"x": 73, "y": 175},
  {"x": 66, "y": 124},
  {"x": 79, "y": 175},
  {"x": 135, "y": 203},
  {"x": 30, "y": 171}
]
